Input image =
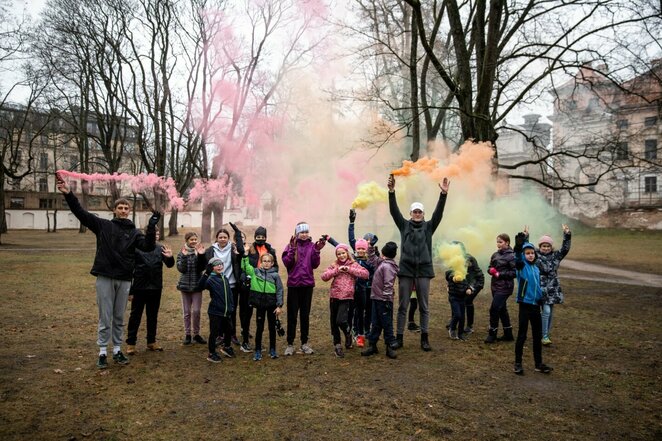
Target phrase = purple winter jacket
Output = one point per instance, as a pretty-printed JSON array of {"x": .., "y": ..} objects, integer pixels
[
  {"x": 383, "y": 282},
  {"x": 300, "y": 262},
  {"x": 504, "y": 262}
]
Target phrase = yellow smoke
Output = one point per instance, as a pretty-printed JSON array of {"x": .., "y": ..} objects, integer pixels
[
  {"x": 453, "y": 258},
  {"x": 368, "y": 193}
]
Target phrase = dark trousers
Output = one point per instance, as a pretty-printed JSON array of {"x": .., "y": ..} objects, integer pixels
[
  {"x": 529, "y": 313},
  {"x": 458, "y": 307},
  {"x": 469, "y": 306},
  {"x": 413, "y": 305},
  {"x": 151, "y": 301},
  {"x": 299, "y": 301},
  {"x": 382, "y": 320},
  {"x": 245, "y": 314},
  {"x": 499, "y": 311},
  {"x": 338, "y": 317},
  {"x": 233, "y": 317},
  {"x": 270, "y": 315},
  {"x": 219, "y": 325},
  {"x": 360, "y": 323}
]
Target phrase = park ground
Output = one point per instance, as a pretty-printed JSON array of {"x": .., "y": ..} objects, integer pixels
[{"x": 605, "y": 383}]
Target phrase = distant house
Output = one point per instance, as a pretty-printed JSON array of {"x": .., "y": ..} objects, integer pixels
[{"x": 618, "y": 127}]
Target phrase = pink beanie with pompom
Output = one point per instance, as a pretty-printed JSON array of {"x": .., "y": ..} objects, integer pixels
[
  {"x": 361, "y": 244},
  {"x": 545, "y": 239}
]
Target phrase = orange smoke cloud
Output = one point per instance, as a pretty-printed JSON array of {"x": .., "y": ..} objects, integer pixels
[{"x": 424, "y": 164}]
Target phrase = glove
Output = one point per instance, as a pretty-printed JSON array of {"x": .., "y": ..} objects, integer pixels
[
  {"x": 320, "y": 243},
  {"x": 234, "y": 228},
  {"x": 352, "y": 215},
  {"x": 373, "y": 240},
  {"x": 154, "y": 219},
  {"x": 519, "y": 241},
  {"x": 493, "y": 272},
  {"x": 209, "y": 269}
]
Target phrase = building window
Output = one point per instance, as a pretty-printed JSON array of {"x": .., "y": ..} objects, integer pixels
[
  {"x": 650, "y": 149},
  {"x": 622, "y": 150},
  {"x": 17, "y": 203},
  {"x": 43, "y": 184},
  {"x": 650, "y": 184},
  {"x": 622, "y": 124},
  {"x": 651, "y": 121},
  {"x": 43, "y": 161},
  {"x": 46, "y": 203},
  {"x": 16, "y": 184},
  {"x": 73, "y": 162}
]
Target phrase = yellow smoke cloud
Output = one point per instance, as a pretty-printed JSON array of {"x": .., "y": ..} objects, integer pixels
[
  {"x": 453, "y": 258},
  {"x": 368, "y": 193}
]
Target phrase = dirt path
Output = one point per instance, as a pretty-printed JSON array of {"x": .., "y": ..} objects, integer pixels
[{"x": 608, "y": 274}]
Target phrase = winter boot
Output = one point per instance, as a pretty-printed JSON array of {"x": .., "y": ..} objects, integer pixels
[
  {"x": 425, "y": 345},
  {"x": 371, "y": 349},
  {"x": 507, "y": 334},
  {"x": 390, "y": 352},
  {"x": 398, "y": 342},
  {"x": 492, "y": 336}
]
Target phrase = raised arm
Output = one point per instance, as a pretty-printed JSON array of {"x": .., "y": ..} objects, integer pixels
[
  {"x": 397, "y": 216},
  {"x": 441, "y": 203}
]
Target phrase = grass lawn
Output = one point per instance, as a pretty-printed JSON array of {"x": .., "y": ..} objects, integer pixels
[{"x": 605, "y": 385}]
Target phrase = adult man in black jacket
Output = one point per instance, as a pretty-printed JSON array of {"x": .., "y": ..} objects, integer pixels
[
  {"x": 117, "y": 241},
  {"x": 415, "y": 257}
]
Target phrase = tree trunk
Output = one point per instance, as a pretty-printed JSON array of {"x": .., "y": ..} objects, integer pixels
[
  {"x": 218, "y": 214},
  {"x": 48, "y": 222},
  {"x": 413, "y": 93},
  {"x": 83, "y": 203},
  {"x": 205, "y": 232},
  {"x": 3, "y": 220},
  {"x": 55, "y": 220},
  {"x": 172, "y": 224}
]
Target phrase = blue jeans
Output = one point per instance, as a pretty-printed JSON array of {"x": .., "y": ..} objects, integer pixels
[
  {"x": 547, "y": 311},
  {"x": 458, "y": 307},
  {"x": 382, "y": 319}
]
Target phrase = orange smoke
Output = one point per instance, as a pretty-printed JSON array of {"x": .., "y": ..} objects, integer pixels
[{"x": 424, "y": 164}]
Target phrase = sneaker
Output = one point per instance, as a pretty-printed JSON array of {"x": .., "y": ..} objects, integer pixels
[
  {"x": 462, "y": 337},
  {"x": 131, "y": 349},
  {"x": 452, "y": 334},
  {"x": 546, "y": 341},
  {"x": 102, "y": 362},
  {"x": 289, "y": 350},
  {"x": 306, "y": 349},
  {"x": 258, "y": 355},
  {"x": 338, "y": 351},
  {"x": 214, "y": 357},
  {"x": 360, "y": 341},
  {"x": 468, "y": 330},
  {"x": 245, "y": 347},
  {"x": 543, "y": 369},
  {"x": 235, "y": 340},
  {"x": 412, "y": 326},
  {"x": 227, "y": 351},
  {"x": 273, "y": 354},
  {"x": 199, "y": 339},
  {"x": 187, "y": 340},
  {"x": 152, "y": 347},
  {"x": 518, "y": 369},
  {"x": 119, "y": 358}
]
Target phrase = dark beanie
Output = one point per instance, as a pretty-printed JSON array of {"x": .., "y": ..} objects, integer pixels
[
  {"x": 390, "y": 249},
  {"x": 261, "y": 231}
]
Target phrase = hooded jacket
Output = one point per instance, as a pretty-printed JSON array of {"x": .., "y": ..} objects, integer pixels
[
  {"x": 117, "y": 241},
  {"x": 148, "y": 272},
  {"x": 266, "y": 289},
  {"x": 528, "y": 277},
  {"x": 548, "y": 264},
  {"x": 475, "y": 280},
  {"x": 416, "y": 239},
  {"x": 300, "y": 261},
  {"x": 342, "y": 287},
  {"x": 383, "y": 282},
  {"x": 190, "y": 266},
  {"x": 221, "y": 303},
  {"x": 504, "y": 262}
]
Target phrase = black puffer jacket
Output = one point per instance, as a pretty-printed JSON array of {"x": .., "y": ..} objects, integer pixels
[
  {"x": 416, "y": 239},
  {"x": 117, "y": 241},
  {"x": 148, "y": 272},
  {"x": 475, "y": 280},
  {"x": 191, "y": 267}
]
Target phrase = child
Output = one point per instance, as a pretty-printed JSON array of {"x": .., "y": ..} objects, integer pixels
[
  {"x": 529, "y": 297},
  {"x": 190, "y": 267},
  {"x": 502, "y": 270},
  {"x": 259, "y": 247},
  {"x": 548, "y": 261},
  {"x": 459, "y": 288},
  {"x": 145, "y": 293},
  {"x": 301, "y": 256},
  {"x": 382, "y": 293},
  {"x": 220, "y": 308},
  {"x": 344, "y": 272},
  {"x": 266, "y": 296}
]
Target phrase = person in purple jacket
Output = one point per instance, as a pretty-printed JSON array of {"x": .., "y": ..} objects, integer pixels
[
  {"x": 381, "y": 294},
  {"x": 301, "y": 256}
]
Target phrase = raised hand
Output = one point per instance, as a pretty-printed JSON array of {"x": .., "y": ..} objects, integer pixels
[
  {"x": 566, "y": 229},
  {"x": 61, "y": 184},
  {"x": 200, "y": 248},
  {"x": 444, "y": 184},
  {"x": 391, "y": 183},
  {"x": 293, "y": 241},
  {"x": 167, "y": 251},
  {"x": 352, "y": 215}
]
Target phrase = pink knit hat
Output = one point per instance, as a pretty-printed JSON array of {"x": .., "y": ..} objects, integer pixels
[
  {"x": 343, "y": 246},
  {"x": 545, "y": 239},
  {"x": 361, "y": 244}
]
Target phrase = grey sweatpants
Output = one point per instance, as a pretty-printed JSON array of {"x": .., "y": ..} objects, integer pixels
[
  {"x": 405, "y": 285},
  {"x": 112, "y": 296}
]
